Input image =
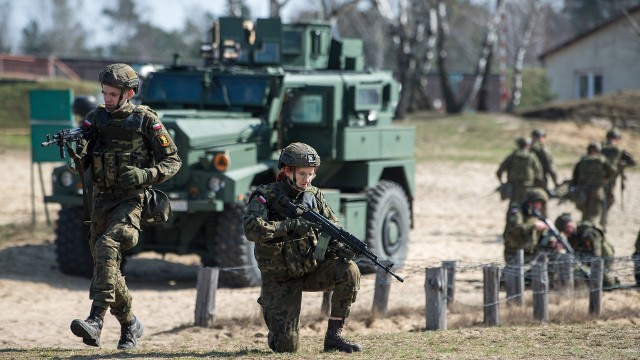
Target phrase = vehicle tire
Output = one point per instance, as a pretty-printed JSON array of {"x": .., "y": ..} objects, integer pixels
[
  {"x": 388, "y": 225},
  {"x": 230, "y": 250},
  {"x": 72, "y": 243}
]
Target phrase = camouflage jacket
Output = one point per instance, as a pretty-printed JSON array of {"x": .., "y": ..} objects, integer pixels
[
  {"x": 281, "y": 253},
  {"x": 132, "y": 135},
  {"x": 546, "y": 162},
  {"x": 521, "y": 166},
  {"x": 589, "y": 240},
  {"x": 592, "y": 171},
  {"x": 520, "y": 230}
]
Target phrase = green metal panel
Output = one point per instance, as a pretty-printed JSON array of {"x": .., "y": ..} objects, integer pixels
[
  {"x": 355, "y": 217},
  {"x": 50, "y": 111},
  {"x": 398, "y": 141},
  {"x": 360, "y": 143}
]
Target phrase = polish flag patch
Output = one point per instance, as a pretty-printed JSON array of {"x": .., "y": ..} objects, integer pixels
[
  {"x": 262, "y": 199},
  {"x": 86, "y": 123},
  {"x": 156, "y": 127}
]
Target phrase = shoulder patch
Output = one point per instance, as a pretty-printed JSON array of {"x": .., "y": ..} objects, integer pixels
[{"x": 163, "y": 140}]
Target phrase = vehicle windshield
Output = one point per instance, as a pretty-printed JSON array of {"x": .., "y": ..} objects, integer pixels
[{"x": 223, "y": 90}]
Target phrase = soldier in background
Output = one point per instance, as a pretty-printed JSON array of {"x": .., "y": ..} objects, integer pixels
[
  {"x": 128, "y": 149},
  {"x": 538, "y": 140},
  {"x": 589, "y": 242},
  {"x": 526, "y": 231},
  {"x": 294, "y": 256},
  {"x": 619, "y": 159},
  {"x": 523, "y": 172},
  {"x": 590, "y": 175}
]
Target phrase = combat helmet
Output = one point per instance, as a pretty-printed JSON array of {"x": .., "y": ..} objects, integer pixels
[
  {"x": 538, "y": 133},
  {"x": 121, "y": 76},
  {"x": 298, "y": 155},
  {"x": 562, "y": 221},
  {"x": 594, "y": 146},
  {"x": 614, "y": 134},
  {"x": 537, "y": 195},
  {"x": 522, "y": 142}
]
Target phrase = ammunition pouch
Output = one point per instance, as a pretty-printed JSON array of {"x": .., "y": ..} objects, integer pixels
[{"x": 156, "y": 208}]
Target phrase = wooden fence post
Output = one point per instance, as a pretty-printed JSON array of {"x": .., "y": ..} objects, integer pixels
[
  {"x": 207, "y": 284},
  {"x": 491, "y": 292},
  {"x": 325, "y": 309},
  {"x": 540, "y": 287},
  {"x": 595, "y": 286},
  {"x": 514, "y": 280},
  {"x": 436, "y": 299},
  {"x": 381, "y": 292},
  {"x": 450, "y": 266},
  {"x": 565, "y": 273}
]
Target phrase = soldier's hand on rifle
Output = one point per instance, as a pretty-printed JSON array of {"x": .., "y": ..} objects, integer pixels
[
  {"x": 133, "y": 176},
  {"x": 301, "y": 226},
  {"x": 540, "y": 225}
]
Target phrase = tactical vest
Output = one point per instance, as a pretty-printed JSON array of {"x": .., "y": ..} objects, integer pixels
[
  {"x": 612, "y": 153},
  {"x": 520, "y": 168},
  {"x": 287, "y": 256},
  {"x": 120, "y": 143},
  {"x": 591, "y": 171}
]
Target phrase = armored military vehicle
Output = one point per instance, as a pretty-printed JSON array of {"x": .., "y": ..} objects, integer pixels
[{"x": 265, "y": 85}]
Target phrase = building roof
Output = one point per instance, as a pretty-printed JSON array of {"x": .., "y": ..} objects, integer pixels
[{"x": 588, "y": 33}]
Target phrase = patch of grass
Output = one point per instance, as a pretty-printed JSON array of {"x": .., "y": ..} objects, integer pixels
[
  {"x": 489, "y": 138},
  {"x": 551, "y": 341}
]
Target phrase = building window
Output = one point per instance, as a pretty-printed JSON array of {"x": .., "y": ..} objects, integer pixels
[{"x": 589, "y": 85}]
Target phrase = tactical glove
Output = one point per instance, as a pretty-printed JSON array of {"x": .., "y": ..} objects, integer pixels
[
  {"x": 301, "y": 226},
  {"x": 133, "y": 176}
]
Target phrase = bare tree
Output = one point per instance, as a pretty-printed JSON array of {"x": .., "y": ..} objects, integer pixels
[
  {"x": 5, "y": 25},
  {"x": 413, "y": 27},
  {"x": 518, "y": 66},
  {"x": 275, "y": 7}
]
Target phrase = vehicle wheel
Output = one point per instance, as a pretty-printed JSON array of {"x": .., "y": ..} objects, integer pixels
[
  {"x": 388, "y": 225},
  {"x": 230, "y": 250},
  {"x": 72, "y": 245}
]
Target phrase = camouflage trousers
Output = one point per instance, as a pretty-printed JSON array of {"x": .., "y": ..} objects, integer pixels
[
  {"x": 591, "y": 203},
  {"x": 281, "y": 299},
  {"x": 115, "y": 227}
]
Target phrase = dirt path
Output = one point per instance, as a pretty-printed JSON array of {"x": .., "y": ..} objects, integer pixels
[{"x": 457, "y": 217}]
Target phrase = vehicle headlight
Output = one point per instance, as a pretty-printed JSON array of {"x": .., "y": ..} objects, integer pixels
[
  {"x": 65, "y": 178},
  {"x": 215, "y": 184}
]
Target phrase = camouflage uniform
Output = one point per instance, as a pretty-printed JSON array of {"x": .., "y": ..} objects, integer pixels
[
  {"x": 128, "y": 150},
  {"x": 524, "y": 171},
  {"x": 131, "y": 136},
  {"x": 288, "y": 266},
  {"x": 588, "y": 241},
  {"x": 619, "y": 160},
  {"x": 589, "y": 177},
  {"x": 286, "y": 253},
  {"x": 545, "y": 159},
  {"x": 520, "y": 233}
]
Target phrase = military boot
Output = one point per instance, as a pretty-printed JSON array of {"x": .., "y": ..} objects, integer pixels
[
  {"x": 89, "y": 330},
  {"x": 333, "y": 340},
  {"x": 129, "y": 334}
]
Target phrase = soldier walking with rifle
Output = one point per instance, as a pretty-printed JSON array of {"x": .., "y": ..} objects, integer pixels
[
  {"x": 128, "y": 150},
  {"x": 620, "y": 160},
  {"x": 295, "y": 255}
]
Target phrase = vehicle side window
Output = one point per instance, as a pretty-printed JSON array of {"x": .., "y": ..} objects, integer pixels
[{"x": 307, "y": 109}]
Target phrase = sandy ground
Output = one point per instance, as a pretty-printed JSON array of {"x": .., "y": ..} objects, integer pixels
[{"x": 457, "y": 217}]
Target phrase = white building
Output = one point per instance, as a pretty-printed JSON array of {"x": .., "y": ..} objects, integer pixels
[{"x": 603, "y": 60}]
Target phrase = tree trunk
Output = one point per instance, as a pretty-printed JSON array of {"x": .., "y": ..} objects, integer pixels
[
  {"x": 451, "y": 103},
  {"x": 516, "y": 87},
  {"x": 485, "y": 55}
]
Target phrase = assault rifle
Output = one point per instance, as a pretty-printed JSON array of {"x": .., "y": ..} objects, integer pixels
[
  {"x": 343, "y": 236},
  {"x": 555, "y": 232},
  {"x": 62, "y": 137}
]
